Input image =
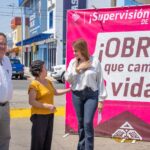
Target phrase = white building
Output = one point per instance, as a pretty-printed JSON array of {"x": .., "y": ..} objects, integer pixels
[{"x": 99, "y": 3}]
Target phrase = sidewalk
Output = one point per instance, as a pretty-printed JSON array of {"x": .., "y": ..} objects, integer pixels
[{"x": 21, "y": 128}]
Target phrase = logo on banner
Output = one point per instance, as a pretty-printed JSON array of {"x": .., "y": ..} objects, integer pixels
[
  {"x": 142, "y": 15},
  {"x": 126, "y": 131},
  {"x": 75, "y": 17}
]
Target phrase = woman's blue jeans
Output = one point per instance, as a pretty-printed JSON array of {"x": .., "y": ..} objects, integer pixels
[{"x": 85, "y": 104}]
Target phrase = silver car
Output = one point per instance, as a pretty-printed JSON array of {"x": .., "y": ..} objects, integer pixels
[{"x": 58, "y": 72}]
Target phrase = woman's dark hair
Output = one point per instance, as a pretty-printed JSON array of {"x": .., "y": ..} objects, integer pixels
[{"x": 36, "y": 67}]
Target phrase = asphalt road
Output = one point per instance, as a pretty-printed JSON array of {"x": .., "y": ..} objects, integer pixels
[{"x": 20, "y": 94}]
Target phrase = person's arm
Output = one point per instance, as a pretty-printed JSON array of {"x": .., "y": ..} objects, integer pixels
[
  {"x": 62, "y": 91},
  {"x": 8, "y": 67},
  {"x": 10, "y": 73},
  {"x": 1, "y": 96},
  {"x": 58, "y": 92},
  {"x": 35, "y": 103},
  {"x": 8, "y": 63},
  {"x": 101, "y": 87},
  {"x": 70, "y": 74}
]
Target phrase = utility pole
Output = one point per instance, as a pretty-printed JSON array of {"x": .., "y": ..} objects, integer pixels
[{"x": 23, "y": 23}]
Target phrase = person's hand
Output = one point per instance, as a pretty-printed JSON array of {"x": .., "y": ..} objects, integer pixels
[
  {"x": 51, "y": 107},
  {"x": 83, "y": 66},
  {"x": 100, "y": 106},
  {"x": 69, "y": 89}
]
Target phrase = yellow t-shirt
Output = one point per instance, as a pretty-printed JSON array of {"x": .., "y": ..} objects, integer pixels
[{"x": 45, "y": 94}]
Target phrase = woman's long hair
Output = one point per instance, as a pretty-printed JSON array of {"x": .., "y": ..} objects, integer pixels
[{"x": 81, "y": 45}]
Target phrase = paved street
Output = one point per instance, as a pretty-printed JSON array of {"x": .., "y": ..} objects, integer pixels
[
  {"x": 20, "y": 128},
  {"x": 20, "y": 94}
]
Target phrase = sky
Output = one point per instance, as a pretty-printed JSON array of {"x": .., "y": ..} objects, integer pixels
[{"x": 8, "y": 10}]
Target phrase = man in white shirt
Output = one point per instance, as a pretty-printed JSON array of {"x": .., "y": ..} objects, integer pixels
[{"x": 5, "y": 94}]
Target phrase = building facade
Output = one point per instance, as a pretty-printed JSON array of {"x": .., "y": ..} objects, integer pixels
[
  {"x": 17, "y": 35},
  {"x": 45, "y": 42},
  {"x": 144, "y": 1},
  {"x": 98, "y": 3},
  {"x": 48, "y": 27},
  {"x": 131, "y": 2},
  {"x": 35, "y": 46}
]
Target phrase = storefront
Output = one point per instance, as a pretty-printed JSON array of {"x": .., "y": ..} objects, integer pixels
[{"x": 35, "y": 48}]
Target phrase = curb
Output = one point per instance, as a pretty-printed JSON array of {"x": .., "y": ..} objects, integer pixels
[{"x": 26, "y": 112}]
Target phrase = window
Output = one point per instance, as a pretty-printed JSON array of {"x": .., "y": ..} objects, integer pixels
[
  {"x": 113, "y": 3},
  {"x": 39, "y": 7},
  {"x": 51, "y": 19},
  {"x": 51, "y": 55},
  {"x": 50, "y": 2}
]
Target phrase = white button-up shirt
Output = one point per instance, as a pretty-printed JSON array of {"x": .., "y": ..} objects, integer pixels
[
  {"x": 92, "y": 78},
  {"x": 5, "y": 80}
]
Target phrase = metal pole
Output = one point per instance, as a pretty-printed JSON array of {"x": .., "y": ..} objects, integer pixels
[
  {"x": 22, "y": 35},
  {"x": 23, "y": 23}
]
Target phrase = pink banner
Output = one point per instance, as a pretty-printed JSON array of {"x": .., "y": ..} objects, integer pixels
[{"x": 120, "y": 38}]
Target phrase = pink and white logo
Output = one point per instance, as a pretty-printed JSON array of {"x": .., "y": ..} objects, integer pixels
[
  {"x": 126, "y": 131},
  {"x": 75, "y": 17}
]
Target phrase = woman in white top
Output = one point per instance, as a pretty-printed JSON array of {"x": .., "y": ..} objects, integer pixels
[{"x": 88, "y": 91}]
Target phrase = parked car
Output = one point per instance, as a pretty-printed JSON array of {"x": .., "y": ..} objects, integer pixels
[
  {"x": 58, "y": 73},
  {"x": 17, "y": 68}
]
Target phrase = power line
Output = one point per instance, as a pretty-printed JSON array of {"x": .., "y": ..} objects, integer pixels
[
  {"x": 56, "y": 19},
  {"x": 28, "y": 8},
  {"x": 43, "y": 16},
  {"x": 36, "y": 10},
  {"x": 13, "y": 13}
]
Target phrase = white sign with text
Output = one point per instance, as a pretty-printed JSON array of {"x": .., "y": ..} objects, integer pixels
[{"x": 125, "y": 59}]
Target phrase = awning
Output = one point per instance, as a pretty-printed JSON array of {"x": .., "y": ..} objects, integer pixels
[{"x": 37, "y": 38}]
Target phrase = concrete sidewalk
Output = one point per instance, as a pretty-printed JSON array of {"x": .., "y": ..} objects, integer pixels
[{"x": 20, "y": 129}]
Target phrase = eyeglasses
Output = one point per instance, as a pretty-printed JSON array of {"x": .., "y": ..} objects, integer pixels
[{"x": 3, "y": 44}]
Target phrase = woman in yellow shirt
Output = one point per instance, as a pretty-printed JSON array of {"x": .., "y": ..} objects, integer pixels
[{"x": 41, "y": 94}]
